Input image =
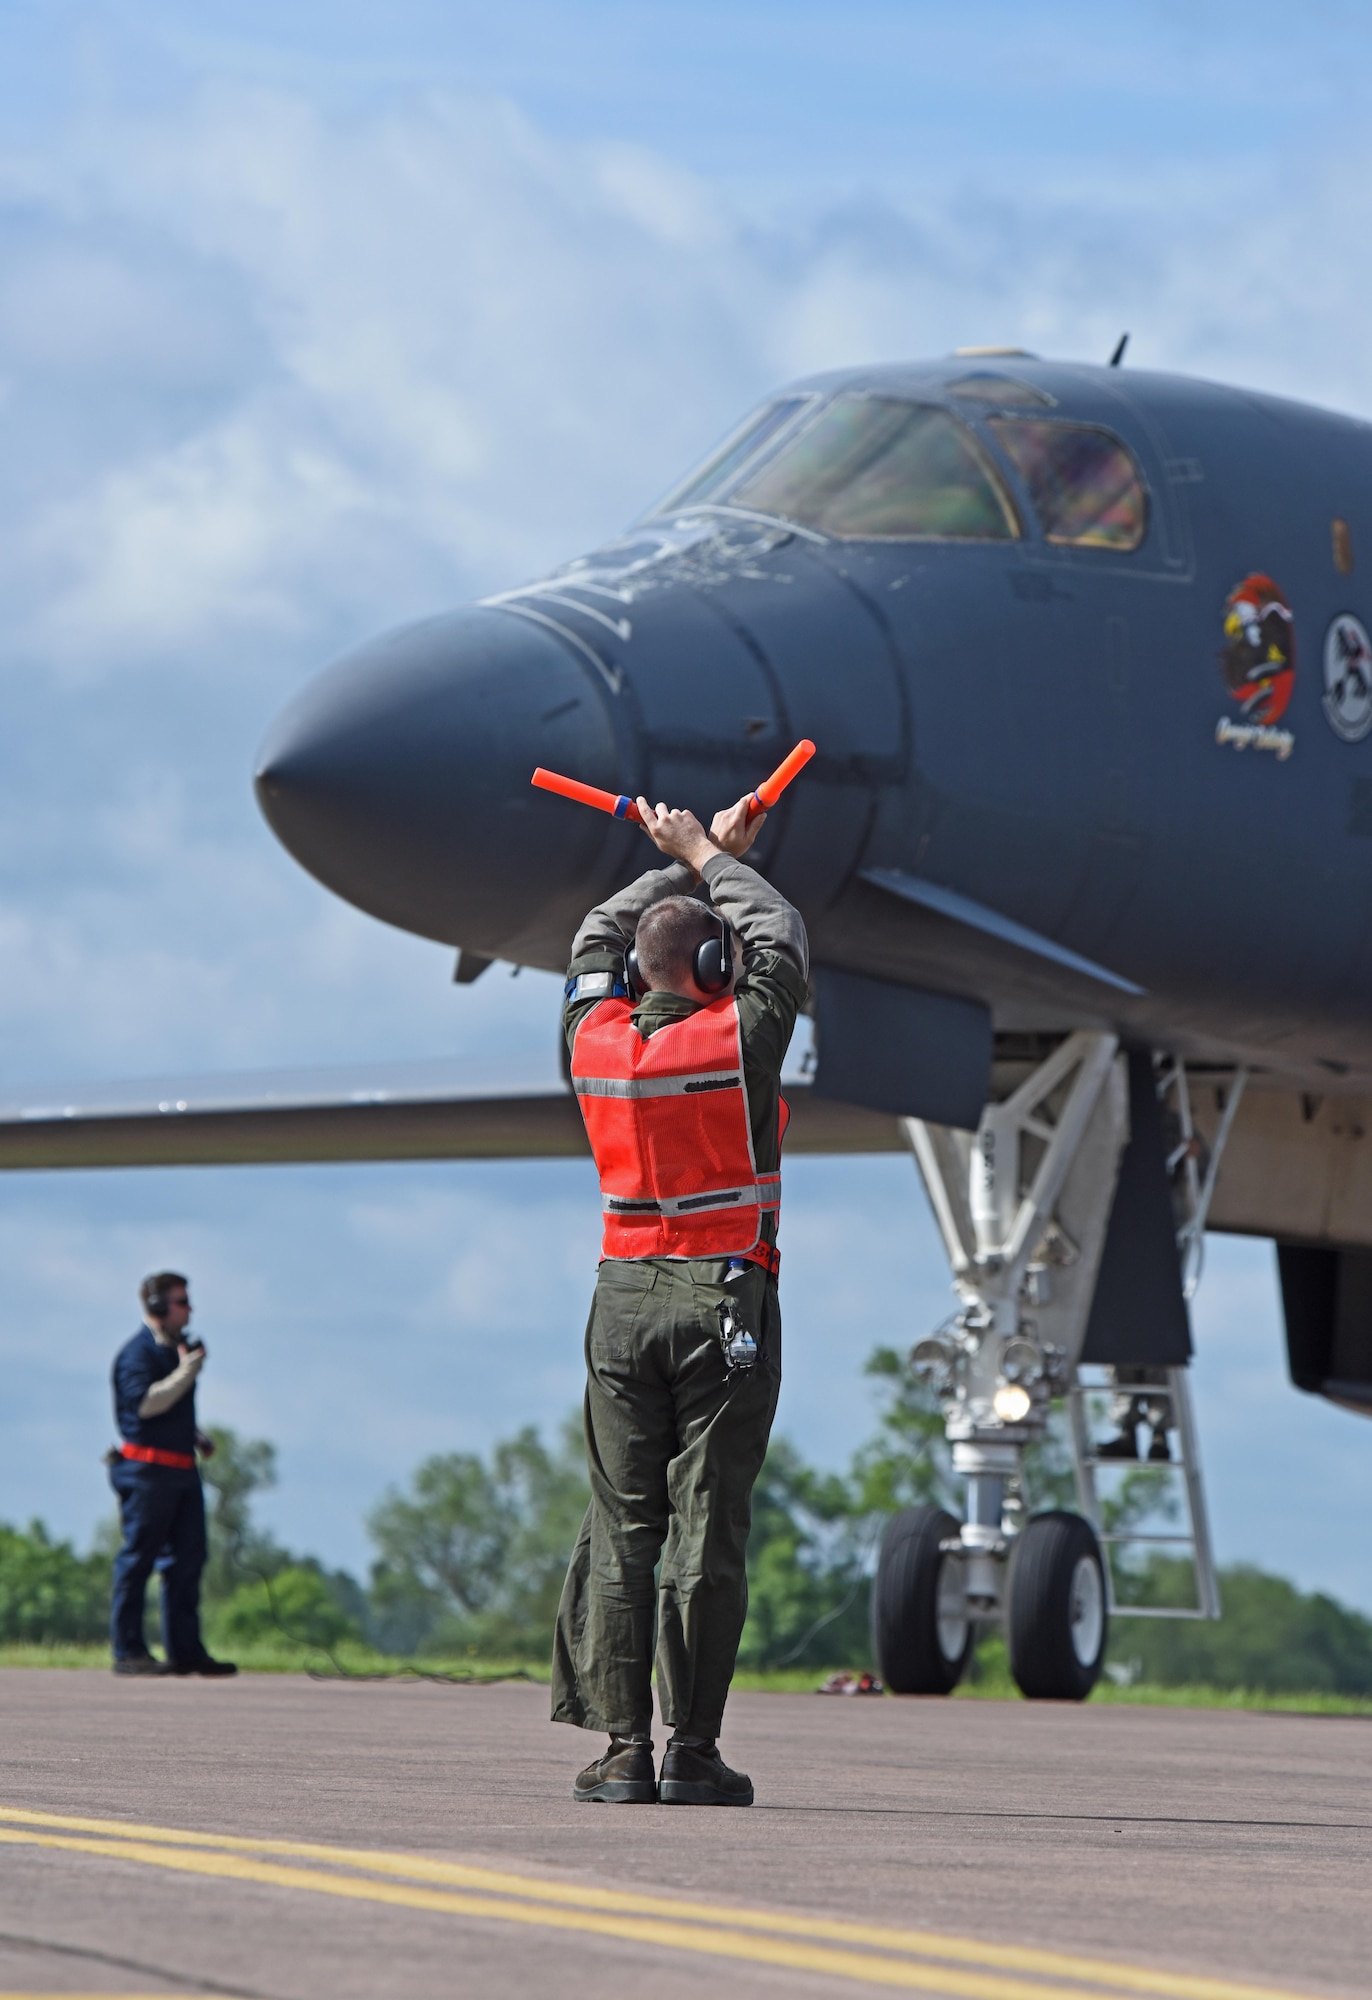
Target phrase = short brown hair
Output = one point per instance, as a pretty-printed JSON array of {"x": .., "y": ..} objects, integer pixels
[
  {"x": 667, "y": 937},
  {"x": 158, "y": 1283}
]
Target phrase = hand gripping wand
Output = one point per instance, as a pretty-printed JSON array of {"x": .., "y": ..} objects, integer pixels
[{"x": 621, "y": 807}]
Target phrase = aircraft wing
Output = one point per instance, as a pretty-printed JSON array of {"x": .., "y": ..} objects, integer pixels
[
  {"x": 1294, "y": 1168},
  {"x": 452, "y": 1109}
]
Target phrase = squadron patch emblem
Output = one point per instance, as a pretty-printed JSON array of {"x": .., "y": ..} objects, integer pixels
[
  {"x": 1348, "y": 678},
  {"x": 1258, "y": 663}
]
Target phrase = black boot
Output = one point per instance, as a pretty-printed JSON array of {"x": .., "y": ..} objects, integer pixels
[
  {"x": 624, "y": 1776},
  {"x": 1126, "y": 1445},
  {"x": 212, "y": 1669},
  {"x": 694, "y": 1774},
  {"x": 1159, "y": 1451}
]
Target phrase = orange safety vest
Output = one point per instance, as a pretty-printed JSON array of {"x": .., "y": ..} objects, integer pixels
[{"x": 667, "y": 1118}]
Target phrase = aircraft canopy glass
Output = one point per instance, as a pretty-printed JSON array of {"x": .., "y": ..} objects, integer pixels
[
  {"x": 1087, "y": 491},
  {"x": 710, "y": 479},
  {"x": 873, "y": 467}
]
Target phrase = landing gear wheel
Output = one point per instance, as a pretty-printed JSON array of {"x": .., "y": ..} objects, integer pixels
[
  {"x": 1056, "y": 1623},
  {"x": 921, "y": 1633}
]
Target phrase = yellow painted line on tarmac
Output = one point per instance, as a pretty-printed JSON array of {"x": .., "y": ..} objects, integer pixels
[{"x": 624, "y": 1914}]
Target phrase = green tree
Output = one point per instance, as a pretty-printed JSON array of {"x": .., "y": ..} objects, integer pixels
[
  {"x": 474, "y": 1554},
  {"x": 401, "y": 1611},
  {"x": 446, "y": 1538},
  {"x": 48, "y": 1593},
  {"x": 239, "y": 1550},
  {"x": 808, "y": 1585},
  {"x": 254, "y": 1591},
  {"x": 297, "y": 1609},
  {"x": 547, "y": 1494},
  {"x": 908, "y": 1463},
  {"x": 1272, "y": 1637}
]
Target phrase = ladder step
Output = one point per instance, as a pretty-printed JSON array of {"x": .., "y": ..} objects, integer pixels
[
  {"x": 1185, "y": 1541},
  {"x": 1155, "y": 1464},
  {"x": 1153, "y": 1611}
]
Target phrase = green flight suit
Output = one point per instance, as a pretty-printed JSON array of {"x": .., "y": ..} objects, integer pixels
[{"x": 674, "y": 1439}]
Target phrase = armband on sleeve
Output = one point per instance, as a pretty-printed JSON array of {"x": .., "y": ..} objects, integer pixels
[{"x": 595, "y": 986}]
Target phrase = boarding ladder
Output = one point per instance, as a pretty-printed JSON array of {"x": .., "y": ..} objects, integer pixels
[{"x": 1183, "y": 1465}]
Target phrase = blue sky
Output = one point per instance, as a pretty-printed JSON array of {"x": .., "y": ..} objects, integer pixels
[{"x": 314, "y": 319}]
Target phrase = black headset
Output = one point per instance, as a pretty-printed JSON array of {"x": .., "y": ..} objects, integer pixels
[{"x": 712, "y": 964}]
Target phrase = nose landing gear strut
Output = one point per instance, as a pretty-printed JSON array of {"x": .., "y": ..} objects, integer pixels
[{"x": 1022, "y": 1206}]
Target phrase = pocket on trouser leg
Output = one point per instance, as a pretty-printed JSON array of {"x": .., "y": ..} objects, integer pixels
[{"x": 622, "y": 1291}]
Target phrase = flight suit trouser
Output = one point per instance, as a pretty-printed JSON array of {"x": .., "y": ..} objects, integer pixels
[{"x": 674, "y": 1442}]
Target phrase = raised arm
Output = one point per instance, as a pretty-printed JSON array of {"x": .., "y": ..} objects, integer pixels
[
  {"x": 760, "y": 914},
  {"x": 164, "y": 1394}
]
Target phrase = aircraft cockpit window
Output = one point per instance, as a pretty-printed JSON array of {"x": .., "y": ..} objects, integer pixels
[
  {"x": 721, "y": 466},
  {"x": 872, "y": 467},
  {"x": 1087, "y": 491},
  {"x": 1001, "y": 390}
]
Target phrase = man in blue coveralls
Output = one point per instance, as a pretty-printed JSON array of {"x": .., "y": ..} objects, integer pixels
[{"x": 154, "y": 1473}]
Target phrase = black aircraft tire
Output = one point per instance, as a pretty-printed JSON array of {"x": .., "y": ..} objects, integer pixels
[
  {"x": 1056, "y": 1624},
  {"x": 917, "y": 1652}
]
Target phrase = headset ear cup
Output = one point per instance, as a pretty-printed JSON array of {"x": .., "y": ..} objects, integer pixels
[
  {"x": 633, "y": 978},
  {"x": 711, "y": 966}
]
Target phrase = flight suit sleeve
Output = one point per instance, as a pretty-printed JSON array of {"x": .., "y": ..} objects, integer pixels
[
  {"x": 760, "y": 914},
  {"x": 774, "y": 985}
]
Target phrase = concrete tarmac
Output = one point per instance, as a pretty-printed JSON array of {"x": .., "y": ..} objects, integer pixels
[{"x": 277, "y": 1836}]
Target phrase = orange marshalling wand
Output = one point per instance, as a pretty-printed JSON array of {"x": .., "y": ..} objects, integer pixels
[
  {"x": 771, "y": 789},
  {"x": 619, "y": 806},
  {"x": 585, "y": 795}
]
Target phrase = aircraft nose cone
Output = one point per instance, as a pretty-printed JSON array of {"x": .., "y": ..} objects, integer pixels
[{"x": 400, "y": 778}]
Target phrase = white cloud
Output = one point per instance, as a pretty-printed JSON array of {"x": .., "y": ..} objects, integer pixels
[
  {"x": 487, "y": 346},
  {"x": 205, "y": 540}
]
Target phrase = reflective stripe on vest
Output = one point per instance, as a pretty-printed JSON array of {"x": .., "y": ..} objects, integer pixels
[
  {"x": 667, "y": 1118},
  {"x": 653, "y": 1086},
  {"x": 765, "y": 1193}
]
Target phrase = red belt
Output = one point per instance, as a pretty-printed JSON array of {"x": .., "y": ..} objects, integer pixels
[
  {"x": 148, "y": 1454},
  {"x": 767, "y": 1255}
]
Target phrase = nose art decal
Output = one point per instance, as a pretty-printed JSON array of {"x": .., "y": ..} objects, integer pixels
[{"x": 1258, "y": 666}]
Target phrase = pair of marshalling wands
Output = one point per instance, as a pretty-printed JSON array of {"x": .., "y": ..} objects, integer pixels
[{"x": 620, "y": 806}]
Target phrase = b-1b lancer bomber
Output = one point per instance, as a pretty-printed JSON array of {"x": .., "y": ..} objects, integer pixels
[{"x": 1084, "y": 858}]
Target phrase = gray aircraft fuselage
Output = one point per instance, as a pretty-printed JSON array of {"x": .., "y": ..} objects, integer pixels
[{"x": 1012, "y": 732}]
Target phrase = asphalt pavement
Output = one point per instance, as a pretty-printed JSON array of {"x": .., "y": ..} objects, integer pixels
[{"x": 276, "y": 1836}]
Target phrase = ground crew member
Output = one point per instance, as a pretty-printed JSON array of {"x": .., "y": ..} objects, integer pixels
[
  {"x": 681, "y": 1095},
  {"x": 154, "y": 1473}
]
